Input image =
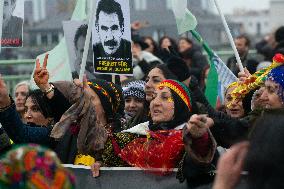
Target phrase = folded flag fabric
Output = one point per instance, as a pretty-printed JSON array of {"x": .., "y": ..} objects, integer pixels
[{"x": 185, "y": 20}]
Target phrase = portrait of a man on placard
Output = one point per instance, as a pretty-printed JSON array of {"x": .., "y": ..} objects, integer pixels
[
  {"x": 12, "y": 26},
  {"x": 111, "y": 39},
  {"x": 75, "y": 34}
]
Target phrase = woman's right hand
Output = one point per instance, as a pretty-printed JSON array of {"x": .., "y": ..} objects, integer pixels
[
  {"x": 41, "y": 75},
  {"x": 95, "y": 168}
]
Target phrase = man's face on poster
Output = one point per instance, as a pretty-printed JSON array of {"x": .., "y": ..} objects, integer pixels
[
  {"x": 8, "y": 9},
  {"x": 110, "y": 32},
  {"x": 79, "y": 50}
]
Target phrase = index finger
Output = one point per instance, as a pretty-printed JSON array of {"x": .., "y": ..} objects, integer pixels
[
  {"x": 45, "y": 61},
  {"x": 37, "y": 64}
]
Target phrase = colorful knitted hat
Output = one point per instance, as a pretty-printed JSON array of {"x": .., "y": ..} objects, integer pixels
[
  {"x": 277, "y": 75},
  {"x": 111, "y": 97},
  {"x": 32, "y": 166},
  {"x": 257, "y": 79},
  {"x": 180, "y": 89},
  {"x": 134, "y": 89}
]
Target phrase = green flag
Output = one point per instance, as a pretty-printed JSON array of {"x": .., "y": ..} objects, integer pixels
[
  {"x": 58, "y": 60},
  {"x": 185, "y": 20}
]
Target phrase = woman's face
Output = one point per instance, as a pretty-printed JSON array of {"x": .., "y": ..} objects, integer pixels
[
  {"x": 165, "y": 43},
  {"x": 150, "y": 44},
  {"x": 233, "y": 108},
  {"x": 33, "y": 114},
  {"x": 257, "y": 102},
  {"x": 154, "y": 78},
  {"x": 183, "y": 45},
  {"x": 133, "y": 105},
  {"x": 270, "y": 97},
  {"x": 162, "y": 106}
]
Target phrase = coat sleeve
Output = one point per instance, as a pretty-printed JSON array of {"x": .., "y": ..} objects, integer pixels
[{"x": 23, "y": 133}]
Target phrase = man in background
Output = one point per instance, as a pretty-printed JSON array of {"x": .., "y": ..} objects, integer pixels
[{"x": 242, "y": 43}]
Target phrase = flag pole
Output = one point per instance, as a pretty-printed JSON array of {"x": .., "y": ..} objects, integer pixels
[
  {"x": 88, "y": 39},
  {"x": 1, "y": 21},
  {"x": 239, "y": 62}
]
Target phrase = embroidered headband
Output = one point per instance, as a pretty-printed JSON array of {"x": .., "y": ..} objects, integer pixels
[{"x": 180, "y": 89}]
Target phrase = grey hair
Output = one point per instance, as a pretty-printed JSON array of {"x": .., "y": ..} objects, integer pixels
[{"x": 26, "y": 82}]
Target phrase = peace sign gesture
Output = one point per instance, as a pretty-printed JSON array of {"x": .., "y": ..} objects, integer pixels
[{"x": 41, "y": 74}]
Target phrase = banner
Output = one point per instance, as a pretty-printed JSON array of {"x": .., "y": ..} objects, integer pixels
[
  {"x": 112, "y": 38},
  {"x": 124, "y": 177},
  {"x": 12, "y": 24},
  {"x": 75, "y": 35}
]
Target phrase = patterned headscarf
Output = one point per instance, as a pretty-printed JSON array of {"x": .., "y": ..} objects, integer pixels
[
  {"x": 134, "y": 89},
  {"x": 32, "y": 166}
]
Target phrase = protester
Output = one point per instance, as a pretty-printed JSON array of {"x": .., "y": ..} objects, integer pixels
[
  {"x": 242, "y": 44},
  {"x": 152, "y": 45},
  {"x": 192, "y": 55},
  {"x": 134, "y": 97},
  {"x": 32, "y": 166},
  {"x": 154, "y": 78},
  {"x": 171, "y": 110},
  {"x": 279, "y": 38},
  {"x": 143, "y": 61},
  {"x": 21, "y": 92},
  {"x": 164, "y": 43},
  {"x": 262, "y": 159}
]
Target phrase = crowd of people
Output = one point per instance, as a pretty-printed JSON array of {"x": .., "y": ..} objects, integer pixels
[{"x": 159, "y": 118}]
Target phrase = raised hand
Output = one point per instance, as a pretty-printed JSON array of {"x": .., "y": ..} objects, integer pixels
[
  {"x": 4, "y": 95},
  {"x": 198, "y": 125},
  {"x": 41, "y": 75}
]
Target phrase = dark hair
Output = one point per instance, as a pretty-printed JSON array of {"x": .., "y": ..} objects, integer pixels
[
  {"x": 173, "y": 43},
  {"x": 81, "y": 31},
  {"x": 165, "y": 71},
  {"x": 243, "y": 36},
  {"x": 181, "y": 114},
  {"x": 264, "y": 161},
  {"x": 154, "y": 43},
  {"x": 39, "y": 100},
  {"x": 109, "y": 7},
  {"x": 186, "y": 39}
]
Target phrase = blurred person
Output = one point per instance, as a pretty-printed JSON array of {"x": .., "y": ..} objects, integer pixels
[
  {"x": 279, "y": 38},
  {"x": 12, "y": 28},
  {"x": 33, "y": 166},
  {"x": 153, "y": 46},
  {"x": 192, "y": 55},
  {"x": 256, "y": 102},
  {"x": 242, "y": 43},
  {"x": 261, "y": 158},
  {"x": 164, "y": 43},
  {"x": 142, "y": 60},
  {"x": 21, "y": 92}
]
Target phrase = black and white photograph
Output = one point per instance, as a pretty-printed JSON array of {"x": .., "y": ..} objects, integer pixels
[
  {"x": 112, "y": 37},
  {"x": 75, "y": 35},
  {"x": 12, "y": 26}
]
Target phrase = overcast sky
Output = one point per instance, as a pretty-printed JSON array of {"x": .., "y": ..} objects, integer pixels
[{"x": 228, "y": 5}]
